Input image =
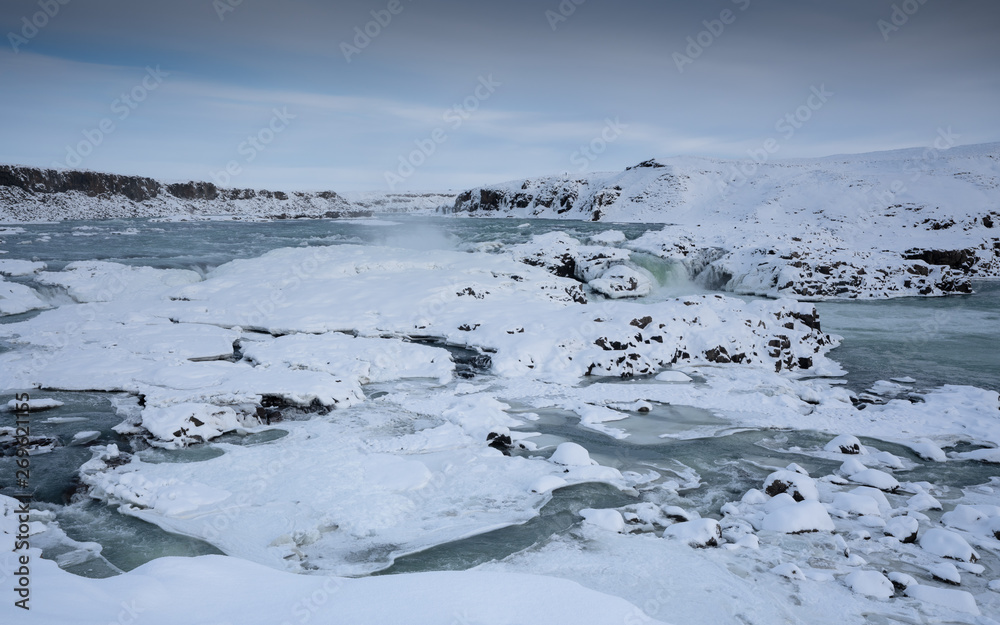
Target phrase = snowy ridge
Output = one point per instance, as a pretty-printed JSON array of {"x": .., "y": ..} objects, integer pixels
[
  {"x": 805, "y": 228},
  {"x": 29, "y": 194}
]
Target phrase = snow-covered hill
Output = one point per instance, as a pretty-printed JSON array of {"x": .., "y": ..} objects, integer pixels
[
  {"x": 836, "y": 226},
  {"x": 29, "y": 194}
]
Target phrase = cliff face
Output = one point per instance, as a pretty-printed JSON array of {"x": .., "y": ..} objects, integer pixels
[
  {"x": 32, "y": 194},
  {"x": 93, "y": 184}
]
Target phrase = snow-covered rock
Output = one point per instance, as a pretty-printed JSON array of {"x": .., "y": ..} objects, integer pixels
[
  {"x": 948, "y": 598},
  {"x": 876, "y": 479},
  {"x": 697, "y": 533},
  {"x": 856, "y": 504},
  {"x": 845, "y": 444},
  {"x": 621, "y": 281},
  {"x": 789, "y": 571},
  {"x": 926, "y": 449},
  {"x": 945, "y": 572},
  {"x": 572, "y": 455},
  {"x": 796, "y": 484},
  {"x": 798, "y": 517},
  {"x": 870, "y": 584},
  {"x": 947, "y": 544},
  {"x": 904, "y": 528},
  {"x": 608, "y": 520}
]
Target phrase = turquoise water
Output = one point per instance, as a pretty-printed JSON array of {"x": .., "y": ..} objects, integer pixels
[{"x": 938, "y": 340}]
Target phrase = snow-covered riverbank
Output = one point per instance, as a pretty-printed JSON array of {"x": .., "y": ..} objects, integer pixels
[{"x": 885, "y": 224}]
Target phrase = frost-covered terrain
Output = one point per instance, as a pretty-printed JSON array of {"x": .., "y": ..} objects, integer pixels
[
  {"x": 886, "y": 224},
  {"x": 596, "y": 446},
  {"x": 28, "y": 194}
]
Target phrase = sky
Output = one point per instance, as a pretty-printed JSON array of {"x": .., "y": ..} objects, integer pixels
[{"x": 403, "y": 95}]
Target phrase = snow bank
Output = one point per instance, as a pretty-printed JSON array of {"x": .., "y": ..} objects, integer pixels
[
  {"x": 186, "y": 590},
  {"x": 18, "y": 298},
  {"x": 14, "y": 267}
]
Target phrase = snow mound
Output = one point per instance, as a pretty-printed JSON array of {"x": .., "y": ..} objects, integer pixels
[
  {"x": 947, "y": 544},
  {"x": 572, "y": 455},
  {"x": 951, "y": 599},
  {"x": 609, "y": 520},
  {"x": 696, "y": 533},
  {"x": 870, "y": 584},
  {"x": 797, "y": 518}
]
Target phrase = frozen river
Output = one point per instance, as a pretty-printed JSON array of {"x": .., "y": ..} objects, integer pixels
[{"x": 695, "y": 457}]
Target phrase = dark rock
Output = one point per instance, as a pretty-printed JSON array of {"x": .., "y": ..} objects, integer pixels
[
  {"x": 718, "y": 354},
  {"x": 576, "y": 294},
  {"x": 777, "y": 487},
  {"x": 960, "y": 260},
  {"x": 268, "y": 415},
  {"x": 642, "y": 322},
  {"x": 611, "y": 345},
  {"x": 500, "y": 442},
  {"x": 650, "y": 163}
]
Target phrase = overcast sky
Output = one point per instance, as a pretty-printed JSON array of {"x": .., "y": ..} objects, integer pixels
[{"x": 448, "y": 94}]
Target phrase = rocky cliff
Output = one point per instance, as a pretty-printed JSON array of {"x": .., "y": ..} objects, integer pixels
[{"x": 32, "y": 194}]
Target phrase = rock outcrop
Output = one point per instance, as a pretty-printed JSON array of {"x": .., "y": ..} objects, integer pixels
[{"x": 32, "y": 194}]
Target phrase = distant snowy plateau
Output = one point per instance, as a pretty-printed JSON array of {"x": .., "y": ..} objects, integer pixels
[{"x": 404, "y": 399}]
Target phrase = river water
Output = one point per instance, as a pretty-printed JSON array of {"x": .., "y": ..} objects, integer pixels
[{"x": 953, "y": 340}]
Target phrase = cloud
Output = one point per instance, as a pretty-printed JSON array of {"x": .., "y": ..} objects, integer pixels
[{"x": 558, "y": 87}]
